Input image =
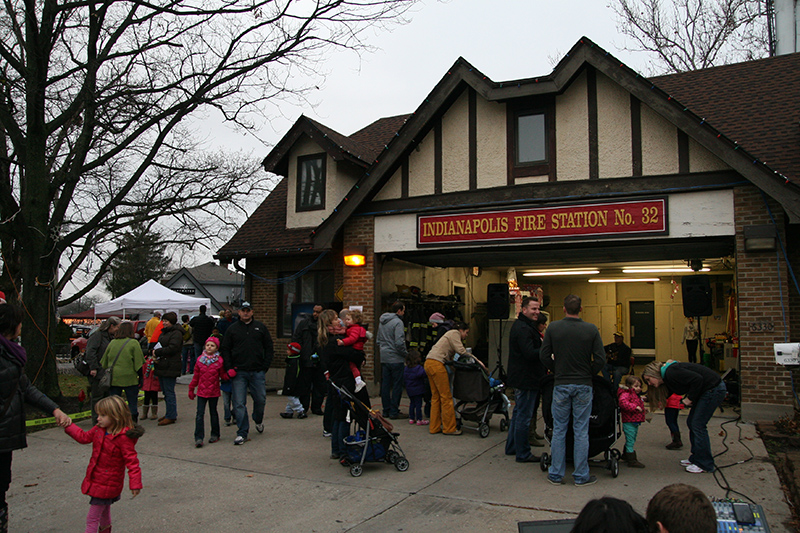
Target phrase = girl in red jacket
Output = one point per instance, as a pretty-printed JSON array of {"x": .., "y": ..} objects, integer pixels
[
  {"x": 355, "y": 338},
  {"x": 633, "y": 414},
  {"x": 208, "y": 370},
  {"x": 113, "y": 449}
]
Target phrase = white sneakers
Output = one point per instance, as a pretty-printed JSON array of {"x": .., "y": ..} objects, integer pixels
[
  {"x": 239, "y": 440},
  {"x": 360, "y": 384},
  {"x": 685, "y": 462},
  {"x": 260, "y": 428},
  {"x": 694, "y": 469}
]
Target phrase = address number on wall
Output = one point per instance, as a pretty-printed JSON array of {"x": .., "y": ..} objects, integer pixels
[{"x": 762, "y": 326}]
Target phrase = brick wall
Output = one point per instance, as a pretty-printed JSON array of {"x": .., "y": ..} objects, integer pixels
[
  {"x": 359, "y": 283},
  {"x": 762, "y": 283}
]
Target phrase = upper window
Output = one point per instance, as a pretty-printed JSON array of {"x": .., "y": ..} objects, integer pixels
[
  {"x": 311, "y": 182},
  {"x": 531, "y": 138}
]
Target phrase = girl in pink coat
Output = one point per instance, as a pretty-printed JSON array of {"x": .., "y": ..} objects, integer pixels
[
  {"x": 208, "y": 370},
  {"x": 113, "y": 449},
  {"x": 633, "y": 414}
]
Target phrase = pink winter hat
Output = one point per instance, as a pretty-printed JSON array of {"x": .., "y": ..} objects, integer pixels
[
  {"x": 436, "y": 318},
  {"x": 214, "y": 340}
]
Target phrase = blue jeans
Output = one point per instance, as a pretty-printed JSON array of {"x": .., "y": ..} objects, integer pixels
[
  {"x": 671, "y": 418},
  {"x": 187, "y": 359},
  {"x": 199, "y": 426},
  {"x": 517, "y": 441},
  {"x": 131, "y": 394},
  {"x": 198, "y": 350},
  {"x": 415, "y": 408},
  {"x": 697, "y": 421},
  {"x": 615, "y": 372},
  {"x": 575, "y": 399},
  {"x": 226, "y": 405},
  {"x": 339, "y": 431},
  {"x": 254, "y": 382},
  {"x": 391, "y": 387},
  {"x": 168, "y": 388}
]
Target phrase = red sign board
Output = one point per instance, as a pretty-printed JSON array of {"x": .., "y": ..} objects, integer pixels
[{"x": 586, "y": 220}]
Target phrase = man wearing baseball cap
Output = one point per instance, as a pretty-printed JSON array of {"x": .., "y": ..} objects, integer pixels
[
  {"x": 618, "y": 359},
  {"x": 247, "y": 353}
]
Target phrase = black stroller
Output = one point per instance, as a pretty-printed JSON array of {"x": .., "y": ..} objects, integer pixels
[
  {"x": 604, "y": 424},
  {"x": 371, "y": 442},
  {"x": 477, "y": 399}
]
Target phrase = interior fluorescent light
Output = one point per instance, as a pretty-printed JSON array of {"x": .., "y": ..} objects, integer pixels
[
  {"x": 622, "y": 280},
  {"x": 653, "y": 270},
  {"x": 562, "y": 273}
]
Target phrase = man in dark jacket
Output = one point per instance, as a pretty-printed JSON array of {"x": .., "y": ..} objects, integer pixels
[
  {"x": 202, "y": 326},
  {"x": 96, "y": 346},
  {"x": 311, "y": 372},
  {"x": 247, "y": 353},
  {"x": 525, "y": 370},
  {"x": 168, "y": 364},
  {"x": 618, "y": 359}
]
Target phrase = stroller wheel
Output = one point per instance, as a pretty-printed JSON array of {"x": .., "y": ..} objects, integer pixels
[
  {"x": 544, "y": 463},
  {"x": 503, "y": 424},
  {"x": 614, "y": 467},
  {"x": 483, "y": 430},
  {"x": 355, "y": 470},
  {"x": 391, "y": 456},
  {"x": 401, "y": 464},
  {"x": 615, "y": 454}
]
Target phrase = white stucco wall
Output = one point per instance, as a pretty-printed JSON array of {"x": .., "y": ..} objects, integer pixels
[
  {"x": 492, "y": 144},
  {"x": 613, "y": 129},
  {"x": 393, "y": 188},
  {"x": 659, "y": 144},
  {"x": 698, "y": 214},
  {"x": 455, "y": 146},
  {"x": 701, "y": 160},
  {"x": 572, "y": 132},
  {"x": 420, "y": 168}
]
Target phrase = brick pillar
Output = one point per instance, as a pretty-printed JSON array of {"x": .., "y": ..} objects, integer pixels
[
  {"x": 359, "y": 282},
  {"x": 762, "y": 288}
]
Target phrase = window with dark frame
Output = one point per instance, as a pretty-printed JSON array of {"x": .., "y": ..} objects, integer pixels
[
  {"x": 310, "y": 182},
  {"x": 531, "y": 138},
  {"x": 314, "y": 287}
]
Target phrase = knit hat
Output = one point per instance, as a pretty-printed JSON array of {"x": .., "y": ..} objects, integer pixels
[
  {"x": 436, "y": 318},
  {"x": 214, "y": 340},
  {"x": 294, "y": 347}
]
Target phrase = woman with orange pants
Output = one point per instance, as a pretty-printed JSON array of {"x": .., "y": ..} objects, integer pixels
[{"x": 443, "y": 416}]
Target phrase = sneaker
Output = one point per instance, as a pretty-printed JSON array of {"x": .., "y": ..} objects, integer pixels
[
  {"x": 302, "y": 415},
  {"x": 212, "y": 440},
  {"x": 326, "y": 433},
  {"x": 260, "y": 428},
  {"x": 694, "y": 469},
  {"x": 239, "y": 440},
  {"x": 555, "y": 480},
  {"x": 198, "y": 444},
  {"x": 359, "y": 384},
  {"x": 591, "y": 481},
  {"x": 411, "y": 421},
  {"x": 228, "y": 422},
  {"x": 423, "y": 422},
  {"x": 685, "y": 462},
  {"x": 287, "y": 415}
]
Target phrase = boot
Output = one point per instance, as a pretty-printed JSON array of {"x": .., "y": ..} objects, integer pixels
[
  {"x": 633, "y": 462},
  {"x": 145, "y": 410},
  {"x": 154, "y": 413},
  {"x": 4, "y": 519},
  {"x": 676, "y": 443}
]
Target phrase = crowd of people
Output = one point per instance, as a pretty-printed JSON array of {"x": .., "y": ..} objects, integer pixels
[{"x": 229, "y": 358}]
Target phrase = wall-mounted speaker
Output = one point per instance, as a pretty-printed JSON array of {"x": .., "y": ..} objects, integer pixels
[
  {"x": 497, "y": 301},
  {"x": 696, "y": 292}
]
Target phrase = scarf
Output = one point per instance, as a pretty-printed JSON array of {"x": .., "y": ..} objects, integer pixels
[
  {"x": 14, "y": 349},
  {"x": 208, "y": 359},
  {"x": 665, "y": 366}
]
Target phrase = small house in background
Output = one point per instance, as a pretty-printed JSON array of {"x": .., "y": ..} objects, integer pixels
[{"x": 222, "y": 286}]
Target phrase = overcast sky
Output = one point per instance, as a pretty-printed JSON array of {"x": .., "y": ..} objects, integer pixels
[{"x": 505, "y": 39}]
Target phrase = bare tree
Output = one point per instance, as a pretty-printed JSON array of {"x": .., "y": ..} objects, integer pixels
[
  {"x": 688, "y": 35},
  {"x": 94, "y": 96}
]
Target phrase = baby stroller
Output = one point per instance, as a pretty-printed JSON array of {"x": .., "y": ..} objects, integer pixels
[
  {"x": 372, "y": 441},
  {"x": 604, "y": 424},
  {"x": 479, "y": 397}
]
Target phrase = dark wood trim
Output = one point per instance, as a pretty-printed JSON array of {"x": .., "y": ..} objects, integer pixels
[
  {"x": 554, "y": 192},
  {"x": 437, "y": 156},
  {"x": 636, "y": 136},
  {"x": 591, "y": 95},
  {"x": 683, "y": 152},
  {"x": 473, "y": 139},
  {"x": 404, "y": 178},
  {"x": 551, "y": 140}
]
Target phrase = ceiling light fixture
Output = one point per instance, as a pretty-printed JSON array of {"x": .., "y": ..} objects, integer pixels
[
  {"x": 622, "y": 280},
  {"x": 653, "y": 270},
  {"x": 561, "y": 273}
]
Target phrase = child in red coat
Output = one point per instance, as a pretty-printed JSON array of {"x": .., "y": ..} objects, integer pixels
[
  {"x": 633, "y": 414},
  {"x": 113, "y": 449},
  {"x": 355, "y": 337},
  {"x": 208, "y": 371}
]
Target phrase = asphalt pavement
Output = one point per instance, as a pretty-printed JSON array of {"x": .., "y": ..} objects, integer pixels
[{"x": 284, "y": 480}]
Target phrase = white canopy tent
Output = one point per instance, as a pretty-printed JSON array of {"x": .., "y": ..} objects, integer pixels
[{"x": 149, "y": 296}]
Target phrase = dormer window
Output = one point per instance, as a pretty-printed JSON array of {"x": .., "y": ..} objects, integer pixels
[
  {"x": 311, "y": 182},
  {"x": 531, "y": 134}
]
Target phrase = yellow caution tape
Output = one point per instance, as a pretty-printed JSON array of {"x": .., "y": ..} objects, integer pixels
[{"x": 52, "y": 420}]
